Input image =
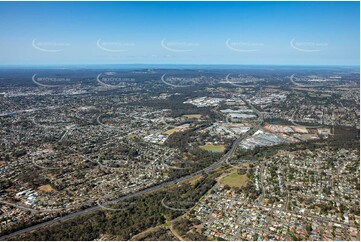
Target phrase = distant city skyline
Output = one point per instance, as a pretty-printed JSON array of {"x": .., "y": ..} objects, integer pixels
[{"x": 179, "y": 33}]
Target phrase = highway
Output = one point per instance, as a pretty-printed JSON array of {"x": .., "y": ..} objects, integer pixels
[{"x": 208, "y": 169}]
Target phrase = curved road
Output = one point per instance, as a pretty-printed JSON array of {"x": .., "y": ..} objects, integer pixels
[{"x": 208, "y": 169}]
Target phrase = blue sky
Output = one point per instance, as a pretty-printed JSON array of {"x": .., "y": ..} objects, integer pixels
[{"x": 260, "y": 33}]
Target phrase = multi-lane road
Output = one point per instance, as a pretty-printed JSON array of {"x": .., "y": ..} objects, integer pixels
[{"x": 208, "y": 169}]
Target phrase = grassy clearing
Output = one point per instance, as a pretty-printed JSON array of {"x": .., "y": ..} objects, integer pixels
[
  {"x": 46, "y": 188},
  {"x": 193, "y": 116},
  {"x": 234, "y": 179},
  {"x": 131, "y": 136},
  {"x": 176, "y": 129},
  {"x": 213, "y": 148},
  {"x": 171, "y": 131},
  {"x": 194, "y": 180}
]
